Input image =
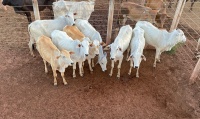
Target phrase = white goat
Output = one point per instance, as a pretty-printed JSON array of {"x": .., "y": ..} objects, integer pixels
[
  {"x": 83, "y": 9},
  {"x": 80, "y": 49},
  {"x": 46, "y": 27},
  {"x": 89, "y": 31},
  {"x": 120, "y": 45},
  {"x": 160, "y": 39},
  {"x": 137, "y": 45}
]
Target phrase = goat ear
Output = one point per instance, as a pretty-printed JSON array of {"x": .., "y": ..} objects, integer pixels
[
  {"x": 178, "y": 30},
  {"x": 91, "y": 44},
  {"x": 75, "y": 13},
  {"x": 129, "y": 58},
  {"x": 102, "y": 44},
  {"x": 57, "y": 57},
  {"x": 107, "y": 47},
  {"x": 143, "y": 57},
  {"x": 71, "y": 53}
]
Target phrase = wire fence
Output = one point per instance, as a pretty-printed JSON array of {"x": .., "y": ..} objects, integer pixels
[{"x": 190, "y": 24}]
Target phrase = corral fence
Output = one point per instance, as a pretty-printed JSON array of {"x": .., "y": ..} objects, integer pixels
[{"x": 104, "y": 19}]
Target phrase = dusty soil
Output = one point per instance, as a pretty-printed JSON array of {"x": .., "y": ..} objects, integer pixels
[{"x": 27, "y": 92}]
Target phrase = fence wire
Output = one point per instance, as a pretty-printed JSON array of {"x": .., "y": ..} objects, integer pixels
[{"x": 190, "y": 24}]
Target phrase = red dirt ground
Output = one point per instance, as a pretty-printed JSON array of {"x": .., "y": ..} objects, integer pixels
[{"x": 27, "y": 92}]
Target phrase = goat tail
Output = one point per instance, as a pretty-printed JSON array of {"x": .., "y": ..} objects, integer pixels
[{"x": 31, "y": 38}]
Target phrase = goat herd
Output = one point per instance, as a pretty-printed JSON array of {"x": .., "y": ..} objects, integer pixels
[
  {"x": 68, "y": 39},
  {"x": 63, "y": 42}
]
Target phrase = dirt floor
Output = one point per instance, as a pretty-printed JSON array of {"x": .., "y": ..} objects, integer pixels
[{"x": 26, "y": 92}]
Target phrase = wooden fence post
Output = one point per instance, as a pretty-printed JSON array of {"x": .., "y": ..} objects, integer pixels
[
  {"x": 110, "y": 21},
  {"x": 179, "y": 9},
  {"x": 195, "y": 73},
  {"x": 36, "y": 9},
  {"x": 1, "y": 5}
]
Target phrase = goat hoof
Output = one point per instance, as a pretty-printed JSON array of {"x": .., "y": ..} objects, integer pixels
[
  {"x": 195, "y": 58},
  {"x": 191, "y": 82},
  {"x": 74, "y": 76},
  {"x": 65, "y": 83},
  {"x": 55, "y": 83},
  {"x": 110, "y": 75},
  {"x": 129, "y": 73},
  {"x": 33, "y": 55}
]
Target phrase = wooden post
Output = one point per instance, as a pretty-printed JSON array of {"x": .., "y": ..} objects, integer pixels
[
  {"x": 2, "y": 6},
  {"x": 179, "y": 15},
  {"x": 179, "y": 9},
  {"x": 195, "y": 72},
  {"x": 36, "y": 9},
  {"x": 110, "y": 21}
]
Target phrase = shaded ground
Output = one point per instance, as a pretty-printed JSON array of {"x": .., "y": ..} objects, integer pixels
[{"x": 27, "y": 92}]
